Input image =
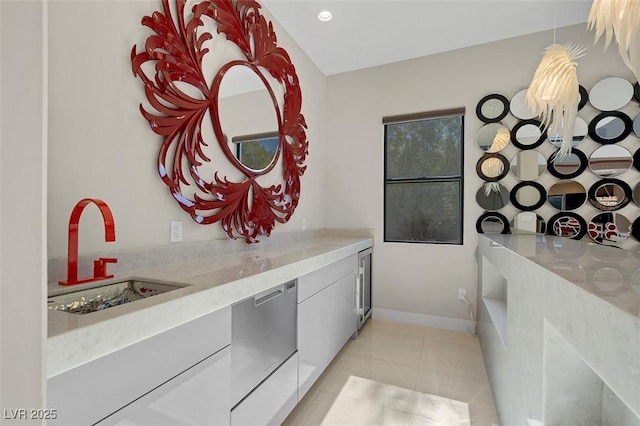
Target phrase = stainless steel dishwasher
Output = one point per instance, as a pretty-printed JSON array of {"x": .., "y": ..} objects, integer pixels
[{"x": 263, "y": 336}]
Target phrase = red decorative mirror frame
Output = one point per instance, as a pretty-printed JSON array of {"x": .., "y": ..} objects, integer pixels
[{"x": 177, "y": 49}]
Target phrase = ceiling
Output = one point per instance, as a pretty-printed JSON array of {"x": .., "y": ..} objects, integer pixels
[{"x": 367, "y": 33}]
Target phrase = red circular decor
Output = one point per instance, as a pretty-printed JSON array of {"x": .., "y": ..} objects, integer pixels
[{"x": 244, "y": 208}]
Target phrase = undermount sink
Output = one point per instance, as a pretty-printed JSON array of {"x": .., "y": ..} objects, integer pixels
[{"x": 98, "y": 298}]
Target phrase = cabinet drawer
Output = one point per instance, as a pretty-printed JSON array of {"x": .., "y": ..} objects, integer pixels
[
  {"x": 196, "y": 397},
  {"x": 272, "y": 401},
  {"x": 315, "y": 281},
  {"x": 92, "y": 391}
]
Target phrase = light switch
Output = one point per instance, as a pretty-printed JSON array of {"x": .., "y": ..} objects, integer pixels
[{"x": 176, "y": 231}]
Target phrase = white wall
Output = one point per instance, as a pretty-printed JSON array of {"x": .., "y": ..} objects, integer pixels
[
  {"x": 22, "y": 207},
  {"x": 423, "y": 278},
  {"x": 102, "y": 147}
]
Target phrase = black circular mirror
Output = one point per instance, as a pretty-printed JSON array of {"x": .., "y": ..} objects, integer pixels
[
  {"x": 609, "y": 194},
  {"x": 609, "y": 229},
  {"x": 492, "y": 108},
  {"x": 492, "y": 223},
  {"x": 610, "y": 160},
  {"x": 519, "y": 107},
  {"x": 528, "y": 165},
  {"x": 528, "y": 134},
  {"x": 569, "y": 165},
  {"x": 636, "y": 194},
  {"x": 567, "y": 195},
  {"x": 610, "y": 127},
  {"x": 611, "y": 93},
  {"x": 636, "y": 125},
  {"x": 568, "y": 225},
  {"x": 528, "y": 196},
  {"x": 492, "y": 137},
  {"x": 528, "y": 223},
  {"x": 635, "y": 231},
  {"x": 492, "y": 167},
  {"x": 636, "y": 91},
  {"x": 584, "y": 97},
  {"x": 636, "y": 160},
  {"x": 580, "y": 131},
  {"x": 492, "y": 196}
]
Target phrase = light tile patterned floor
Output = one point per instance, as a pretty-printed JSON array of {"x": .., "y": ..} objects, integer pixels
[{"x": 405, "y": 375}]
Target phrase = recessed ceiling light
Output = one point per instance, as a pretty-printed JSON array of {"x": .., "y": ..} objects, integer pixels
[{"x": 324, "y": 15}]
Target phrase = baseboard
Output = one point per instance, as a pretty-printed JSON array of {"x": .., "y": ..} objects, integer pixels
[{"x": 446, "y": 323}]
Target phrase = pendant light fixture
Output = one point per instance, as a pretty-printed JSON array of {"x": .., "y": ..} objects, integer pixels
[
  {"x": 554, "y": 91},
  {"x": 619, "y": 19}
]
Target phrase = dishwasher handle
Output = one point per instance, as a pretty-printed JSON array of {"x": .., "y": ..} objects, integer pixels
[{"x": 268, "y": 297}]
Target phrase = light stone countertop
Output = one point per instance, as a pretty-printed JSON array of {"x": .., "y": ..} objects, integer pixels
[{"x": 212, "y": 283}]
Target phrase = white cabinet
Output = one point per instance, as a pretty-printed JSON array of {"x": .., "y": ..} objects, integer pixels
[
  {"x": 272, "y": 401},
  {"x": 93, "y": 391},
  {"x": 326, "y": 318},
  {"x": 197, "y": 397}
]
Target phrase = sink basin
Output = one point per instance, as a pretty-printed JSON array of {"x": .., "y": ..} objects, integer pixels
[{"x": 102, "y": 297}]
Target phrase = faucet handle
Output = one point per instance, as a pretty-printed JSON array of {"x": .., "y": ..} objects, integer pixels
[{"x": 100, "y": 267}]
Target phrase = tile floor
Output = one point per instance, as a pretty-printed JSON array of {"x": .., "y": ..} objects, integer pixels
[{"x": 399, "y": 374}]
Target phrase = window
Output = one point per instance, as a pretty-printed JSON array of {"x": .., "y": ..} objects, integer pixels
[
  {"x": 424, "y": 177},
  {"x": 256, "y": 151}
]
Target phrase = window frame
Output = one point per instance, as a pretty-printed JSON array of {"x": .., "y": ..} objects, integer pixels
[{"x": 459, "y": 179}]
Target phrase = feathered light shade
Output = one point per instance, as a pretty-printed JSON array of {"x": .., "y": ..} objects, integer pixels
[
  {"x": 554, "y": 91},
  {"x": 619, "y": 19}
]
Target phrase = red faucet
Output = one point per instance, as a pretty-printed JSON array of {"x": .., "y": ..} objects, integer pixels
[{"x": 100, "y": 265}]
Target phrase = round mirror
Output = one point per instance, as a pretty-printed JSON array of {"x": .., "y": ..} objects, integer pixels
[
  {"x": 579, "y": 133},
  {"x": 636, "y": 194},
  {"x": 492, "y": 196},
  {"x": 567, "y": 195},
  {"x": 636, "y": 160},
  {"x": 608, "y": 280},
  {"x": 528, "y": 196},
  {"x": 609, "y": 229},
  {"x": 636, "y": 125},
  {"x": 492, "y": 137},
  {"x": 584, "y": 97},
  {"x": 249, "y": 118},
  {"x": 492, "y": 108},
  {"x": 569, "y": 165},
  {"x": 568, "y": 225},
  {"x": 519, "y": 107},
  {"x": 636, "y": 91},
  {"x": 609, "y": 194},
  {"x": 492, "y": 167},
  {"x": 610, "y": 127},
  {"x": 635, "y": 229},
  {"x": 610, "y": 160},
  {"x": 528, "y": 223},
  {"x": 611, "y": 93},
  {"x": 528, "y": 165},
  {"x": 528, "y": 134},
  {"x": 492, "y": 223}
]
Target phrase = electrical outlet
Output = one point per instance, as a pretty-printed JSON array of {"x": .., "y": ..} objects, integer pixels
[
  {"x": 462, "y": 293},
  {"x": 176, "y": 231}
]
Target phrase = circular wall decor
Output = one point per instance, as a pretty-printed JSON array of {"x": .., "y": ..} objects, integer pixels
[
  {"x": 492, "y": 108},
  {"x": 636, "y": 159},
  {"x": 584, "y": 97},
  {"x": 528, "y": 223},
  {"x": 610, "y": 194},
  {"x": 528, "y": 195},
  {"x": 610, "y": 160},
  {"x": 580, "y": 132},
  {"x": 181, "y": 96},
  {"x": 492, "y": 196},
  {"x": 567, "y": 195},
  {"x": 635, "y": 229},
  {"x": 519, "y": 107},
  {"x": 567, "y": 166},
  {"x": 528, "y": 134},
  {"x": 492, "y": 137},
  {"x": 636, "y": 125},
  {"x": 609, "y": 229},
  {"x": 635, "y": 196},
  {"x": 492, "y": 223},
  {"x": 528, "y": 165},
  {"x": 610, "y": 94},
  {"x": 568, "y": 225},
  {"x": 610, "y": 127},
  {"x": 492, "y": 167}
]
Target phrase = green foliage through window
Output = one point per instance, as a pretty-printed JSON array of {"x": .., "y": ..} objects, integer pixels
[{"x": 423, "y": 180}]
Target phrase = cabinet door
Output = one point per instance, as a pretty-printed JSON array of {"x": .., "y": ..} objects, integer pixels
[
  {"x": 325, "y": 322},
  {"x": 198, "y": 396}
]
